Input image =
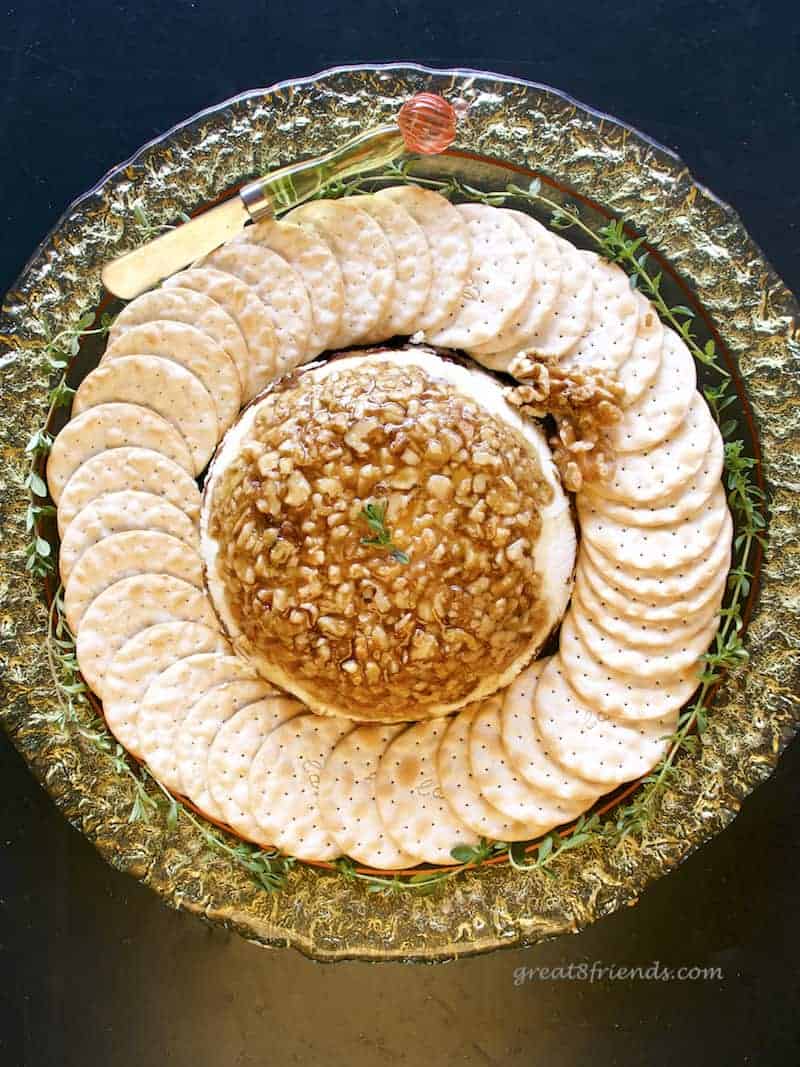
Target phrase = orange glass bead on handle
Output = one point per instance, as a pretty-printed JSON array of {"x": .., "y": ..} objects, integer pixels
[{"x": 428, "y": 124}]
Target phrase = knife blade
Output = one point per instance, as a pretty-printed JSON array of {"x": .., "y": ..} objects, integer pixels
[{"x": 144, "y": 267}]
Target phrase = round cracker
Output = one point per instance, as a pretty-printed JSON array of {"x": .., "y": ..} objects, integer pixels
[
  {"x": 654, "y": 548},
  {"x": 663, "y": 405},
  {"x": 313, "y": 260},
  {"x": 365, "y": 259},
  {"x": 641, "y": 367},
  {"x": 232, "y": 753},
  {"x": 347, "y": 801},
  {"x": 526, "y": 749},
  {"x": 609, "y": 750},
  {"x": 141, "y": 469},
  {"x": 684, "y": 500},
  {"x": 414, "y": 271},
  {"x": 667, "y": 585},
  {"x": 555, "y": 312},
  {"x": 193, "y": 350},
  {"x": 200, "y": 728},
  {"x": 111, "y": 426},
  {"x": 141, "y": 659},
  {"x": 163, "y": 386},
  {"x": 246, "y": 309},
  {"x": 618, "y": 695},
  {"x": 410, "y": 800},
  {"x": 195, "y": 309},
  {"x": 122, "y": 555},
  {"x": 461, "y": 789},
  {"x": 449, "y": 246},
  {"x": 169, "y": 699},
  {"x": 650, "y": 609},
  {"x": 566, "y": 319},
  {"x": 129, "y": 606},
  {"x": 282, "y": 292},
  {"x": 672, "y": 657},
  {"x": 501, "y": 277},
  {"x": 603, "y": 749},
  {"x": 643, "y": 477},
  {"x": 639, "y": 632},
  {"x": 503, "y": 786},
  {"x": 609, "y": 339},
  {"x": 284, "y": 784},
  {"x": 113, "y": 513}
]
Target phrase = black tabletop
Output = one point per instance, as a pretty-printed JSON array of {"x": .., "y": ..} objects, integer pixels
[{"x": 93, "y": 969}]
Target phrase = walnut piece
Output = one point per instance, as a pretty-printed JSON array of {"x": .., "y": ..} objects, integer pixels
[{"x": 585, "y": 403}]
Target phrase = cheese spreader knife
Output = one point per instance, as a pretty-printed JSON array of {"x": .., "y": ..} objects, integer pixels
[{"x": 425, "y": 124}]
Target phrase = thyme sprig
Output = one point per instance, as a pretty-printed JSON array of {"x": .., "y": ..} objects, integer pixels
[
  {"x": 57, "y": 350},
  {"x": 555, "y": 844},
  {"x": 625, "y": 250},
  {"x": 267, "y": 867},
  {"x": 148, "y": 229},
  {"x": 423, "y": 883},
  {"x": 374, "y": 514}
]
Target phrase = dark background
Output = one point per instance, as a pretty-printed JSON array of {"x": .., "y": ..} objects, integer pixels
[{"x": 93, "y": 969}]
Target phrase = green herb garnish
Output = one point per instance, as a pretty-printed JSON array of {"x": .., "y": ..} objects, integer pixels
[
  {"x": 147, "y": 227},
  {"x": 374, "y": 514}
]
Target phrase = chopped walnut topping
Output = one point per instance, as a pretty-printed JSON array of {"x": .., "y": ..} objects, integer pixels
[
  {"x": 584, "y": 401},
  {"x": 375, "y": 630}
]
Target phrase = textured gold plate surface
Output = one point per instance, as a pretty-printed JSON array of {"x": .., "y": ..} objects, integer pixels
[{"x": 748, "y": 308}]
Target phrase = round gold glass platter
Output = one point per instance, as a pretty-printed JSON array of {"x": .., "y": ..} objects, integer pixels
[{"x": 607, "y": 168}]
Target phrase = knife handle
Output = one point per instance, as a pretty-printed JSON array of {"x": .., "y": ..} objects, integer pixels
[
  {"x": 426, "y": 123},
  {"x": 286, "y": 188}
]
